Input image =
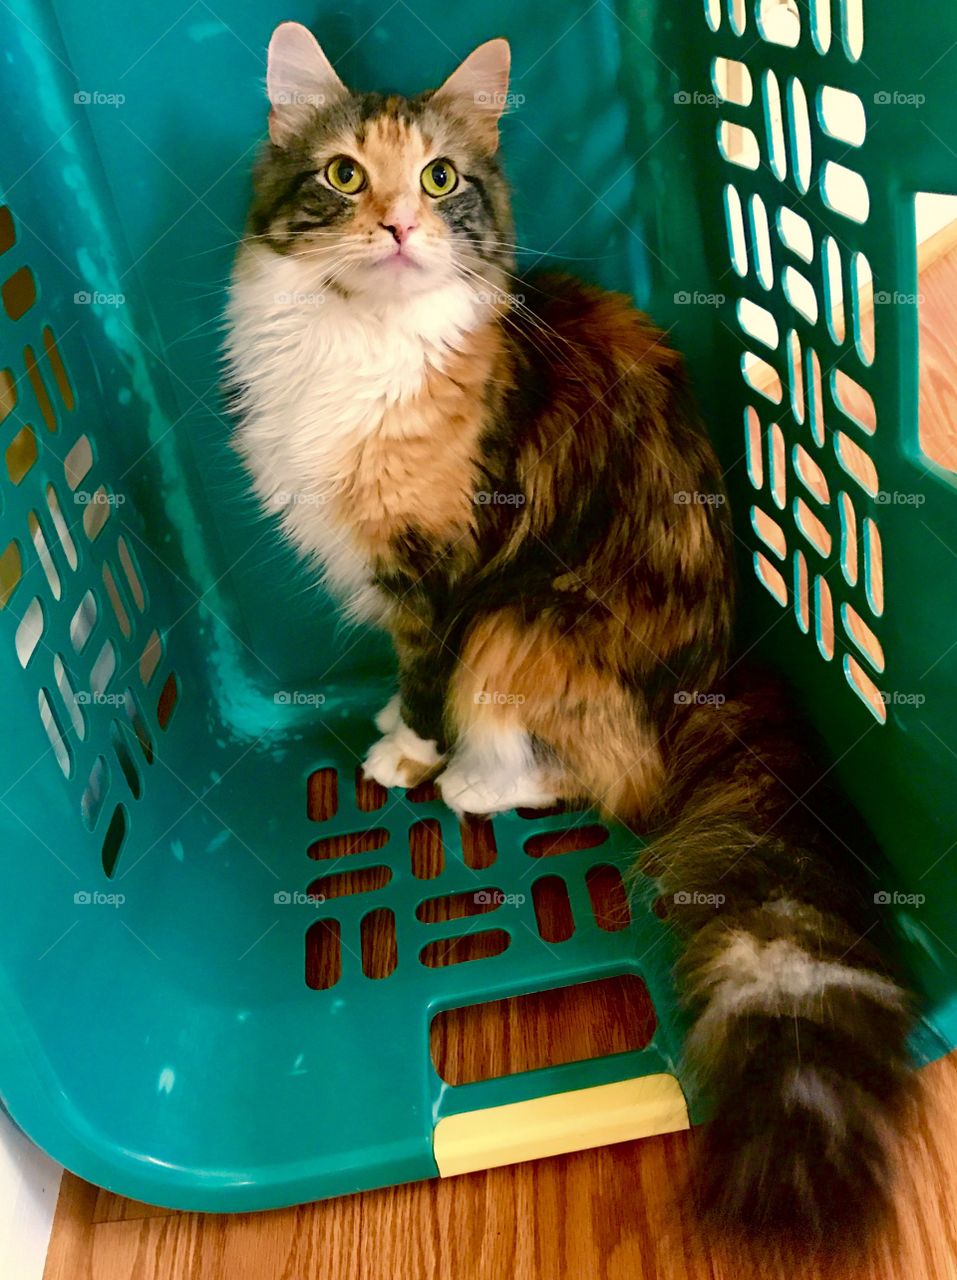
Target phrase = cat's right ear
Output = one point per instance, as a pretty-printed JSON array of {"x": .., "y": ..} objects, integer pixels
[{"x": 299, "y": 79}]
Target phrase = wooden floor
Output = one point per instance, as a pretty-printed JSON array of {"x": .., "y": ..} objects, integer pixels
[{"x": 613, "y": 1214}]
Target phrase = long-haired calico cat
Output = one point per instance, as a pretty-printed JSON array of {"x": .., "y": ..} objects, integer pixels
[{"x": 517, "y": 488}]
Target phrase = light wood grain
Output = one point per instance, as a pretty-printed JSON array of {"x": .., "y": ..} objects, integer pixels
[{"x": 615, "y": 1213}]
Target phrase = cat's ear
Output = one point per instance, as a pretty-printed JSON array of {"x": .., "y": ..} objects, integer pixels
[
  {"x": 479, "y": 87},
  {"x": 299, "y": 78}
]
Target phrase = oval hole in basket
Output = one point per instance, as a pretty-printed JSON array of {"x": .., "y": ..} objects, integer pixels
[
  {"x": 753, "y": 446},
  {"x": 38, "y": 383},
  {"x": 873, "y": 567},
  {"x": 812, "y": 527},
  {"x": 734, "y": 220},
  {"x": 8, "y": 393},
  {"x": 810, "y": 475},
  {"x": 548, "y": 844},
  {"x": 712, "y": 13},
  {"x": 738, "y": 145},
  {"x": 769, "y": 577},
  {"x": 378, "y": 943},
  {"x": 814, "y": 392},
  {"x": 796, "y": 376},
  {"x": 119, "y": 736},
  {"x": 96, "y": 511},
  {"x": 77, "y": 463},
  {"x": 609, "y": 898},
  {"x": 801, "y": 603},
  {"x": 479, "y": 849},
  {"x": 800, "y": 293},
  {"x": 853, "y": 401},
  {"x": 844, "y": 191},
  {"x": 848, "y": 538},
  {"x": 322, "y": 795},
  {"x": 30, "y": 631},
  {"x": 150, "y": 657},
  {"x": 323, "y": 955},
  {"x": 757, "y": 322},
  {"x": 862, "y": 303},
  {"x": 426, "y": 849},
  {"x": 779, "y": 23},
  {"x": 19, "y": 292},
  {"x": 856, "y": 463},
  {"x": 11, "y": 571},
  {"x": 761, "y": 242},
  {"x": 737, "y": 16},
  {"x": 823, "y": 617},
  {"x": 137, "y": 723},
  {"x": 115, "y": 838},
  {"x": 833, "y": 289},
  {"x": 61, "y": 527},
  {"x": 103, "y": 669},
  {"x": 544, "y": 1029},
  {"x": 68, "y": 694},
  {"x": 761, "y": 377},
  {"x": 345, "y": 884},
  {"x": 166, "y": 705},
  {"x": 98, "y": 784},
  {"x": 852, "y": 28},
  {"x": 116, "y": 600},
  {"x": 770, "y": 532},
  {"x": 794, "y": 232},
  {"x": 778, "y": 461},
  {"x": 821, "y": 24},
  {"x": 54, "y": 731},
  {"x": 472, "y": 946},
  {"x": 60, "y": 376},
  {"x": 21, "y": 454},
  {"x": 732, "y": 81},
  {"x": 459, "y": 906},
  {"x": 42, "y": 549},
  {"x": 841, "y": 114},
  {"x": 132, "y": 571},
  {"x": 345, "y": 846},
  {"x": 865, "y": 688},
  {"x": 799, "y": 135},
  {"x": 774, "y": 126},
  {"x": 83, "y": 622},
  {"x": 863, "y": 637},
  {"x": 553, "y": 910}
]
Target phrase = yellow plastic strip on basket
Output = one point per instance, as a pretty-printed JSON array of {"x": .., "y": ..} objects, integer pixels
[{"x": 563, "y": 1122}]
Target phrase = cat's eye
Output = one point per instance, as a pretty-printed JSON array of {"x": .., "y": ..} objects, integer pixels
[
  {"x": 439, "y": 178},
  {"x": 345, "y": 175}
]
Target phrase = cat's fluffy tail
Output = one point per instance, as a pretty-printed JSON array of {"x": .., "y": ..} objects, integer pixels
[{"x": 800, "y": 1026}]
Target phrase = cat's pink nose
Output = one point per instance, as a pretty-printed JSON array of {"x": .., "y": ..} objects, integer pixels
[{"x": 400, "y": 229}]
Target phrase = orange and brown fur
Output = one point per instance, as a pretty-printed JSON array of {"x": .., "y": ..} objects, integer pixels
[{"x": 511, "y": 478}]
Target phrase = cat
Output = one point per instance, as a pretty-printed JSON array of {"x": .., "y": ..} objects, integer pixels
[{"x": 510, "y": 477}]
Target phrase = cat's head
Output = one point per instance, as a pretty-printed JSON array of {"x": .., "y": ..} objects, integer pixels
[{"x": 384, "y": 196}]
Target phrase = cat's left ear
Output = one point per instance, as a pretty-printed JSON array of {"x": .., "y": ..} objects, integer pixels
[{"x": 479, "y": 88}]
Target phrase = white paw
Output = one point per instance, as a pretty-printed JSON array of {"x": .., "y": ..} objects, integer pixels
[
  {"x": 401, "y": 758},
  {"x": 465, "y": 791},
  {"x": 390, "y": 717}
]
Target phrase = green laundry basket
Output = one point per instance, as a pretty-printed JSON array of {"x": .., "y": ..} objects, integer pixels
[{"x": 173, "y": 678}]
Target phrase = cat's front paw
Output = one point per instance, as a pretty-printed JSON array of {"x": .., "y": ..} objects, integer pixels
[{"x": 401, "y": 758}]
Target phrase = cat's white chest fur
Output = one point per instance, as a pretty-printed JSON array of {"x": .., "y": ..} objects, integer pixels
[{"x": 319, "y": 374}]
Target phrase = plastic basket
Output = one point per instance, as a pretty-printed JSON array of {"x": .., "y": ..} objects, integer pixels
[{"x": 173, "y": 679}]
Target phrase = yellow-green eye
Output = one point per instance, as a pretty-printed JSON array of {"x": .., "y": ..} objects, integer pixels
[
  {"x": 345, "y": 175},
  {"x": 439, "y": 178}
]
